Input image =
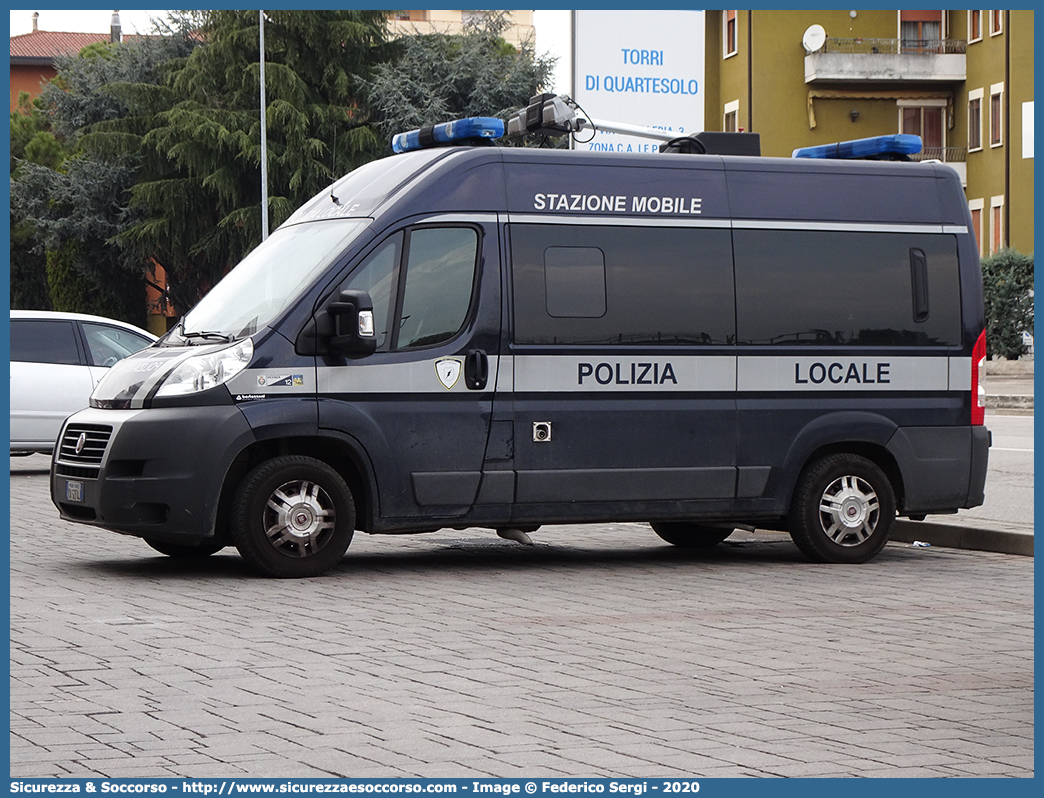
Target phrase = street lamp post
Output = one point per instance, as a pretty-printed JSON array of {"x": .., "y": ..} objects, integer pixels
[{"x": 264, "y": 134}]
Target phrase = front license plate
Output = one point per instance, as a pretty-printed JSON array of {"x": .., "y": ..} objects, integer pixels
[{"x": 74, "y": 491}]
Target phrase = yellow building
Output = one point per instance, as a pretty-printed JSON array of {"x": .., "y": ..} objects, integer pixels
[
  {"x": 962, "y": 80},
  {"x": 406, "y": 22}
]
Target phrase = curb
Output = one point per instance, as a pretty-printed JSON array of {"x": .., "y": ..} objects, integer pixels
[
  {"x": 961, "y": 537},
  {"x": 1010, "y": 402}
]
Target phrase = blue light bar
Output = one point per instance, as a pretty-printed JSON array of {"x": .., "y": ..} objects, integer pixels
[
  {"x": 474, "y": 127},
  {"x": 897, "y": 144}
]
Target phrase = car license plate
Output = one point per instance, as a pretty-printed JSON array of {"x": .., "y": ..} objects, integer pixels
[{"x": 74, "y": 491}]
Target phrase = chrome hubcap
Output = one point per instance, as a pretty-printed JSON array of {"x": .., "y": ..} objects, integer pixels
[
  {"x": 849, "y": 511},
  {"x": 299, "y": 518}
]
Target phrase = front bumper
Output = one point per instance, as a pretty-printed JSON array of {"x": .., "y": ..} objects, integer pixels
[{"x": 156, "y": 473}]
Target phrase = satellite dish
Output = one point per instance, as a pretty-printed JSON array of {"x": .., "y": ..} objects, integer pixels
[{"x": 814, "y": 38}]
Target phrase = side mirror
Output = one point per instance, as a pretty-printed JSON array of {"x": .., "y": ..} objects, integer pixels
[
  {"x": 344, "y": 327},
  {"x": 353, "y": 329}
]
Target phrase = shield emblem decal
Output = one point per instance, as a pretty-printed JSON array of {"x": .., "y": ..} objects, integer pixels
[{"x": 448, "y": 371}]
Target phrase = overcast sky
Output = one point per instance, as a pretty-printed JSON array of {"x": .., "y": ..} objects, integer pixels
[{"x": 69, "y": 20}]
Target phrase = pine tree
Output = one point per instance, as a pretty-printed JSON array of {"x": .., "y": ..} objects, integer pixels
[
  {"x": 438, "y": 77},
  {"x": 199, "y": 196}
]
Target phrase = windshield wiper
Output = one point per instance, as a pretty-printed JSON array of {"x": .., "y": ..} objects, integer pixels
[
  {"x": 209, "y": 335},
  {"x": 206, "y": 335}
]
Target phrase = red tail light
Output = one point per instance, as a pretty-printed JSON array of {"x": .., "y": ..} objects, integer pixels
[{"x": 978, "y": 392}]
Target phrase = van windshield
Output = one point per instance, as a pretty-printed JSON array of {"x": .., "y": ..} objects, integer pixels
[{"x": 268, "y": 280}]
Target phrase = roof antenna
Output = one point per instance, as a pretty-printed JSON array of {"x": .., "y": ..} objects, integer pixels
[{"x": 333, "y": 168}]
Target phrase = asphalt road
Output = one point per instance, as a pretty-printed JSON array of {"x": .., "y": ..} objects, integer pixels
[{"x": 599, "y": 651}]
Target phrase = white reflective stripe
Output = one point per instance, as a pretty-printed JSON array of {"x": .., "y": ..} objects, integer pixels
[
  {"x": 601, "y": 373},
  {"x": 505, "y": 375},
  {"x": 725, "y": 373},
  {"x": 843, "y": 227},
  {"x": 617, "y": 221},
  {"x": 960, "y": 374},
  {"x": 648, "y": 373},
  {"x": 738, "y": 224},
  {"x": 412, "y": 377},
  {"x": 829, "y": 373},
  {"x": 456, "y": 218}
]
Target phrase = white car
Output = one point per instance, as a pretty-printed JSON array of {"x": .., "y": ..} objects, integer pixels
[{"x": 56, "y": 360}]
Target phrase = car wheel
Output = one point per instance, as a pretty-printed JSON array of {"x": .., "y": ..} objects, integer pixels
[
  {"x": 843, "y": 510},
  {"x": 184, "y": 551},
  {"x": 292, "y": 517},
  {"x": 691, "y": 536}
]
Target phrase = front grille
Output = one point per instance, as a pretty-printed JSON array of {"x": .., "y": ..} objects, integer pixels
[
  {"x": 76, "y": 472},
  {"x": 91, "y": 439}
]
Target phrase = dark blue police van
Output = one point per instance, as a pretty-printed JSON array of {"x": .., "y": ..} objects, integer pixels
[{"x": 495, "y": 337}]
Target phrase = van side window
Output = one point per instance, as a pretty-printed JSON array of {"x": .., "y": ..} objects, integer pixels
[
  {"x": 440, "y": 274},
  {"x": 588, "y": 284},
  {"x": 846, "y": 288},
  {"x": 379, "y": 276},
  {"x": 428, "y": 274}
]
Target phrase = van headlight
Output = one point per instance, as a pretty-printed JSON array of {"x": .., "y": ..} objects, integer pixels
[{"x": 207, "y": 369}]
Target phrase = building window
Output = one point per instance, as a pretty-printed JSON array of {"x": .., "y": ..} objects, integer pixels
[
  {"x": 920, "y": 31},
  {"x": 975, "y": 120},
  {"x": 975, "y": 206},
  {"x": 926, "y": 122},
  {"x": 996, "y": 22},
  {"x": 974, "y": 26},
  {"x": 730, "y": 36},
  {"x": 997, "y": 242},
  {"x": 730, "y": 122},
  {"x": 996, "y": 115}
]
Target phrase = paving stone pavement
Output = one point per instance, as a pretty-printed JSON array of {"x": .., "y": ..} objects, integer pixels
[{"x": 599, "y": 651}]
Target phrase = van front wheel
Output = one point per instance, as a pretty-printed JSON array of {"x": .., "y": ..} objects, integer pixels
[
  {"x": 292, "y": 517},
  {"x": 842, "y": 511},
  {"x": 688, "y": 535}
]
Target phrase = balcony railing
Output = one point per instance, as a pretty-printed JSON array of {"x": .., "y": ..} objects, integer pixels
[
  {"x": 944, "y": 154},
  {"x": 896, "y": 46}
]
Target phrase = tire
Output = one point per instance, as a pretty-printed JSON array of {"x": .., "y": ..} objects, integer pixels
[
  {"x": 183, "y": 551},
  {"x": 842, "y": 510},
  {"x": 292, "y": 517},
  {"x": 689, "y": 535}
]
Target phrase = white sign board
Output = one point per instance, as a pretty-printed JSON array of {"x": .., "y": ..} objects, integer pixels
[
  {"x": 1027, "y": 130},
  {"x": 639, "y": 68}
]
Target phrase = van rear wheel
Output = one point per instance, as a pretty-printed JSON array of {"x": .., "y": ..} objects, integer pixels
[
  {"x": 292, "y": 517},
  {"x": 842, "y": 511},
  {"x": 691, "y": 536}
]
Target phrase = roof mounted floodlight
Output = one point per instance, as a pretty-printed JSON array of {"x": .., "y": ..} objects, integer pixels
[
  {"x": 546, "y": 115},
  {"x": 896, "y": 147},
  {"x": 472, "y": 130},
  {"x": 551, "y": 115}
]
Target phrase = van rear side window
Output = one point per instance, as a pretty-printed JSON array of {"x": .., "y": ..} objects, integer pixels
[
  {"x": 847, "y": 288},
  {"x": 665, "y": 286}
]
